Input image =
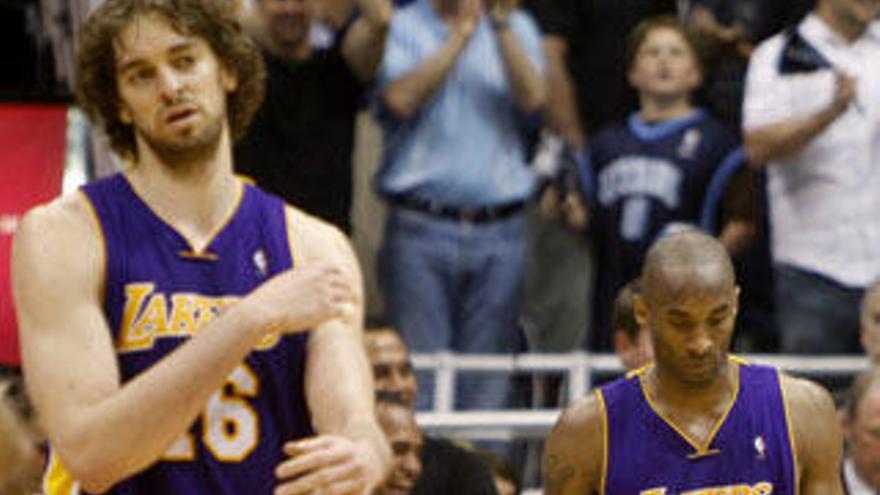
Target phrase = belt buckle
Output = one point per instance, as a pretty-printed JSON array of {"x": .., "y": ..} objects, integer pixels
[{"x": 470, "y": 214}]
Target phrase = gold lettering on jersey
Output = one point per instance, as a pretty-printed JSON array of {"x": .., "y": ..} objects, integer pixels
[
  {"x": 762, "y": 488},
  {"x": 183, "y": 314},
  {"x": 148, "y": 316}
]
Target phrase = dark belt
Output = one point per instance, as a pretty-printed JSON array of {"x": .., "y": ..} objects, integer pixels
[{"x": 475, "y": 214}]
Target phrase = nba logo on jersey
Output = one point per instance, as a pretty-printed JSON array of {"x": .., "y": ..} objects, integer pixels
[
  {"x": 261, "y": 263},
  {"x": 687, "y": 149},
  {"x": 760, "y": 448}
]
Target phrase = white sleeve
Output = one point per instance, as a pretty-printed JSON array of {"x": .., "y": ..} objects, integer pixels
[{"x": 767, "y": 98}]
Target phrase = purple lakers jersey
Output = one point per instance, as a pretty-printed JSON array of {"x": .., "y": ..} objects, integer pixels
[
  {"x": 157, "y": 293},
  {"x": 749, "y": 452}
]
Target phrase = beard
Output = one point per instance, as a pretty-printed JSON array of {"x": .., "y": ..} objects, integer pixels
[{"x": 178, "y": 152}]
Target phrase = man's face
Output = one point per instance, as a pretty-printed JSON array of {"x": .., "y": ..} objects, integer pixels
[
  {"x": 665, "y": 65},
  {"x": 392, "y": 370},
  {"x": 406, "y": 440},
  {"x": 870, "y": 323},
  {"x": 864, "y": 437},
  {"x": 172, "y": 87},
  {"x": 691, "y": 326},
  {"x": 287, "y": 22}
]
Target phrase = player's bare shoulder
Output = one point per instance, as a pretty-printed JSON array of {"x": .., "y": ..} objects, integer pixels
[
  {"x": 817, "y": 435},
  {"x": 60, "y": 237},
  {"x": 573, "y": 457},
  {"x": 69, "y": 214},
  {"x": 806, "y": 401},
  {"x": 315, "y": 240}
]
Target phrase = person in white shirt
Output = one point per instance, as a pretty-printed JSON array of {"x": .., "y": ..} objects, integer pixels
[
  {"x": 812, "y": 116},
  {"x": 861, "y": 424}
]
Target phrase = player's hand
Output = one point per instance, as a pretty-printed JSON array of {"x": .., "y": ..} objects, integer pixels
[
  {"x": 327, "y": 465},
  {"x": 302, "y": 298}
]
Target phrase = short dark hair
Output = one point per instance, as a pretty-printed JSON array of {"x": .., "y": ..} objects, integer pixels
[
  {"x": 212, "y": 20},
  {"x": 638, "y": 35},
  {"x": 622, "y": 316}
]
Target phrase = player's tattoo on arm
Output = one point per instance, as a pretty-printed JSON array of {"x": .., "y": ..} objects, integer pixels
[{"x": 557, "y": 477}]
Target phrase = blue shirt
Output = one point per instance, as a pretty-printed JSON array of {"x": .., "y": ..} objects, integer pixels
[{"x": 464, "y": 147}]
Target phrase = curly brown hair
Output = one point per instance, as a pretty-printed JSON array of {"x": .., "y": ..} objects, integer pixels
[{"x": 211, "y": 20}]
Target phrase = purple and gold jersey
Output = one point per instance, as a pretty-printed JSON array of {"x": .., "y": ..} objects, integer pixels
[
  {"x": 158, "y": 291},
  {"x": 749, "y": 452}
]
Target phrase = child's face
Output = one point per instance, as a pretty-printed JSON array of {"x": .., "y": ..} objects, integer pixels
[{"x": 665, "y": 65}]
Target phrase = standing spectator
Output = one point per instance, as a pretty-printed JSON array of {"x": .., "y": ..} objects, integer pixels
[
  {"x": 453, "y": 85},
  {"x": 870, "y": 323},
  {"x": 656, "y": 169},
  {"x": 861, "y": 466},
  {"x": 300, "y": 143},
  {"x": 811, "y": 116}
]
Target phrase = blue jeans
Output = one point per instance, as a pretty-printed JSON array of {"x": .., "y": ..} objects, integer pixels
[
  {"x": 451, "y": 285},
  {"x": 814, "y": 314}
]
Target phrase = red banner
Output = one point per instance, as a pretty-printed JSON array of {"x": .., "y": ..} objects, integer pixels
[{"x": 32, "y": 149}]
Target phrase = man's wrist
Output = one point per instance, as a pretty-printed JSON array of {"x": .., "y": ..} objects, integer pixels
[{"x": 259, "y": 323}]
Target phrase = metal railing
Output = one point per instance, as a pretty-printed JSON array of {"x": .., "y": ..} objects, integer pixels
[{"x": 578, "y": 369}]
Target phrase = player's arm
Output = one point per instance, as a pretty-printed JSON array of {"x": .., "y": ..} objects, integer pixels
[
  {"x": 350, "y": 453},
  {"x": 817, "y": 437},
  {"x": 103, "y": 431},
  {"x": 364, "y": 43},
  {"x": 573, "y": 457}
]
